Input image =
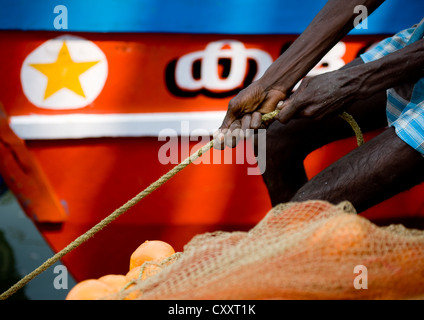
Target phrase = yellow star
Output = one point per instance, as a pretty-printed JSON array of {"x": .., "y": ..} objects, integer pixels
[{"x": 63, "y": 73}]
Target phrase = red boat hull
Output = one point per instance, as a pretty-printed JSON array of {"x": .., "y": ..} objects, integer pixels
[
  {"x": 201, "y": 198},
  {"x": 93, "y": 175}
]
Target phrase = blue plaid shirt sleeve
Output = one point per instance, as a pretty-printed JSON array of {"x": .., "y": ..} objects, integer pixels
[
  {"x": 406, "y": 116},
  {"x": 388, "y": 45}
]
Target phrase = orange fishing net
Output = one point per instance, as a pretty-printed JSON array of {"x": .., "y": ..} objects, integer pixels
[{"x": 307, "y": 250}]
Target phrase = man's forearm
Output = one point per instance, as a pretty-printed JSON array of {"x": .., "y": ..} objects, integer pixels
[
  {"x": 404, "y": 65},
  {"x": 328, "y": 27}
]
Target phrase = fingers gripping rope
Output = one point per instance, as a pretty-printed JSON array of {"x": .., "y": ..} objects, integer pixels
[{"x": 124, "y": 208}]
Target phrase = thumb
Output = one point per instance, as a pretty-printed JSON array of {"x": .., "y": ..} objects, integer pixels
[
  {"x": 288, "y": 110},
  {"x": 228, "y": 120},
  {"x": 235, "y": 109},
  {"x": 271, "y": 102}
]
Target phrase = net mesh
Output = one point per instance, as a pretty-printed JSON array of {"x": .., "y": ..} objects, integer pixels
[{"x": 305, "y": 250}]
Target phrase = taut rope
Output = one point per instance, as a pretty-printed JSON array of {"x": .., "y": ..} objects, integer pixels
[{"x": 128, "y": 205}]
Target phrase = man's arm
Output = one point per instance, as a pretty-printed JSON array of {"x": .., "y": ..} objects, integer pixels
[
  {"x": 328, "y": 27},
  {"x": 374, "y": 172},
  {"x": 333, "y": 22},
  {"x": 330, "y": 93}
]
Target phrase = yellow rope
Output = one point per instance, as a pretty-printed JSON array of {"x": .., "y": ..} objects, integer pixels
[
  {"x": 118, "y": 212},
  {"x": 358, "y": 133},
  {"x": 99, "y": 226}
]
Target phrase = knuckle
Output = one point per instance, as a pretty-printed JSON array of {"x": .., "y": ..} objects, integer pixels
[
  {"x": 233, "y": 103},
  {"x": 308, "y": 113}
]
